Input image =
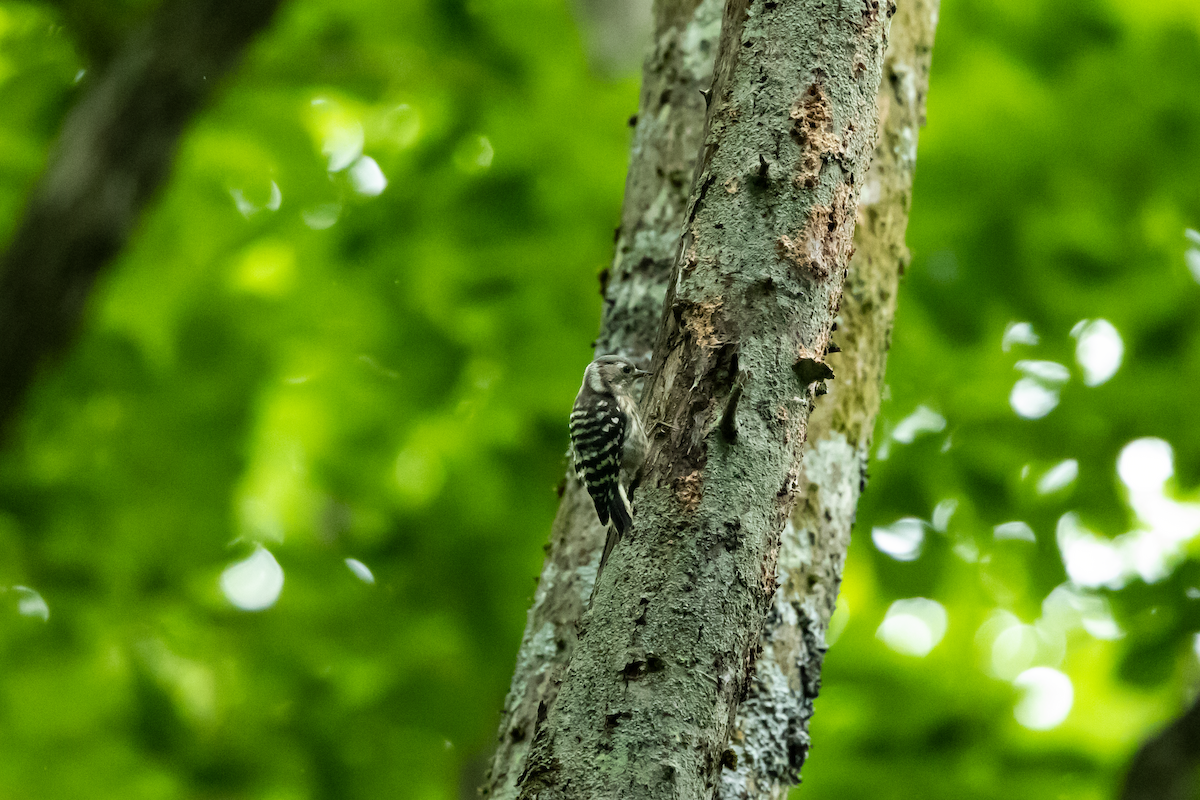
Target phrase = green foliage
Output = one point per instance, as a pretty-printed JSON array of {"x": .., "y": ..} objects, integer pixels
[
  {"x": 283, "y": 358},
  {"x": 1056, "y": 177},
  {"x": 294, "y": 356}
]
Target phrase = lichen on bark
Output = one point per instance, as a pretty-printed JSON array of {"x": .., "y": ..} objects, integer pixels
[
  {"x": 646, "y": 706},
  {"x": 765, "y": 758},
  {"x": 769, "y": 741},
  {"x": 666, "y": 143}
]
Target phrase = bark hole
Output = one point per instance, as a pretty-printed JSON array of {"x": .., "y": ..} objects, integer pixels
[{"x": 638, "y": 668}]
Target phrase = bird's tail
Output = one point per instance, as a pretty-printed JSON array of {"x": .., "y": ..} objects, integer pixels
[
  {"x": 622, "y": 520},
  {"x": 622, "y": 515}
]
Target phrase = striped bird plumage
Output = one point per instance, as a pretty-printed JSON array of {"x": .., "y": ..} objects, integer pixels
[
  {"x": 598, "y": 432},
  {"x": 609, "y": 444}
]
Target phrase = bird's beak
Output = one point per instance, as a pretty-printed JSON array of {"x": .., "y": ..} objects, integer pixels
[{"x": 640, "y": 373}]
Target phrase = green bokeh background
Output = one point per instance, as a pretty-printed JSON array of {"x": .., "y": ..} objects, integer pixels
[{"x": 285, "y": 357}]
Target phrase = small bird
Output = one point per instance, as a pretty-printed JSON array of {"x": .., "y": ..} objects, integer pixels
[{"x": 609, "y": 443}]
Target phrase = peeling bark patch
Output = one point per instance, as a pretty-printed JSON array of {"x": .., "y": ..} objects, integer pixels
[
  {"x": 697, "y": 319},
  {"x": 689, "y": 489},
  {"x": 824, "y": 245},
  {"x": 812, "y": 129},
  {"x": 792, "y": 251}
]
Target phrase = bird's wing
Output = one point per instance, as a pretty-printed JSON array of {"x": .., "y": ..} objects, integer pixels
[{"x": 597, "y": 437}]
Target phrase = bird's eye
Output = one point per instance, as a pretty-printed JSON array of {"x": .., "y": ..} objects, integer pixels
[{"x": 627, "y": 369}]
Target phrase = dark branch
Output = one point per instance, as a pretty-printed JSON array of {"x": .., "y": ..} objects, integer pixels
[
  {"x": 98, "y": 29},
  {"x": 113, "y": 154},
  {"x": 1166, "y": 766}
]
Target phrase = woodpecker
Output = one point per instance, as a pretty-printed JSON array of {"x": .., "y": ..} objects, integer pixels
[{"x": 608, "y": 443}]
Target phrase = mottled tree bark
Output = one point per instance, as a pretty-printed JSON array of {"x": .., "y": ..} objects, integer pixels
[
  {"x": 666, "y": 144},
  {"x": 646, "y": 706},
  {"x": 114, "y": 152},
  {"x": 770, "y": 738}
]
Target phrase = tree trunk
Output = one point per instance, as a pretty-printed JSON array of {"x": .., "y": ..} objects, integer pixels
[
  {"x": 667, "y": 651},
  {"x": 113, "y": 154},
  {"x": 666, "y": 144},
  {"x": 616, "y": 32},
  {"x": 767, "y": 756},
  {"x": 770, "y": 738}
]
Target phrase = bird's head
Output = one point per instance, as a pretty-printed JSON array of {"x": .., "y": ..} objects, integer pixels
[{"x": 612, "y": 374}]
